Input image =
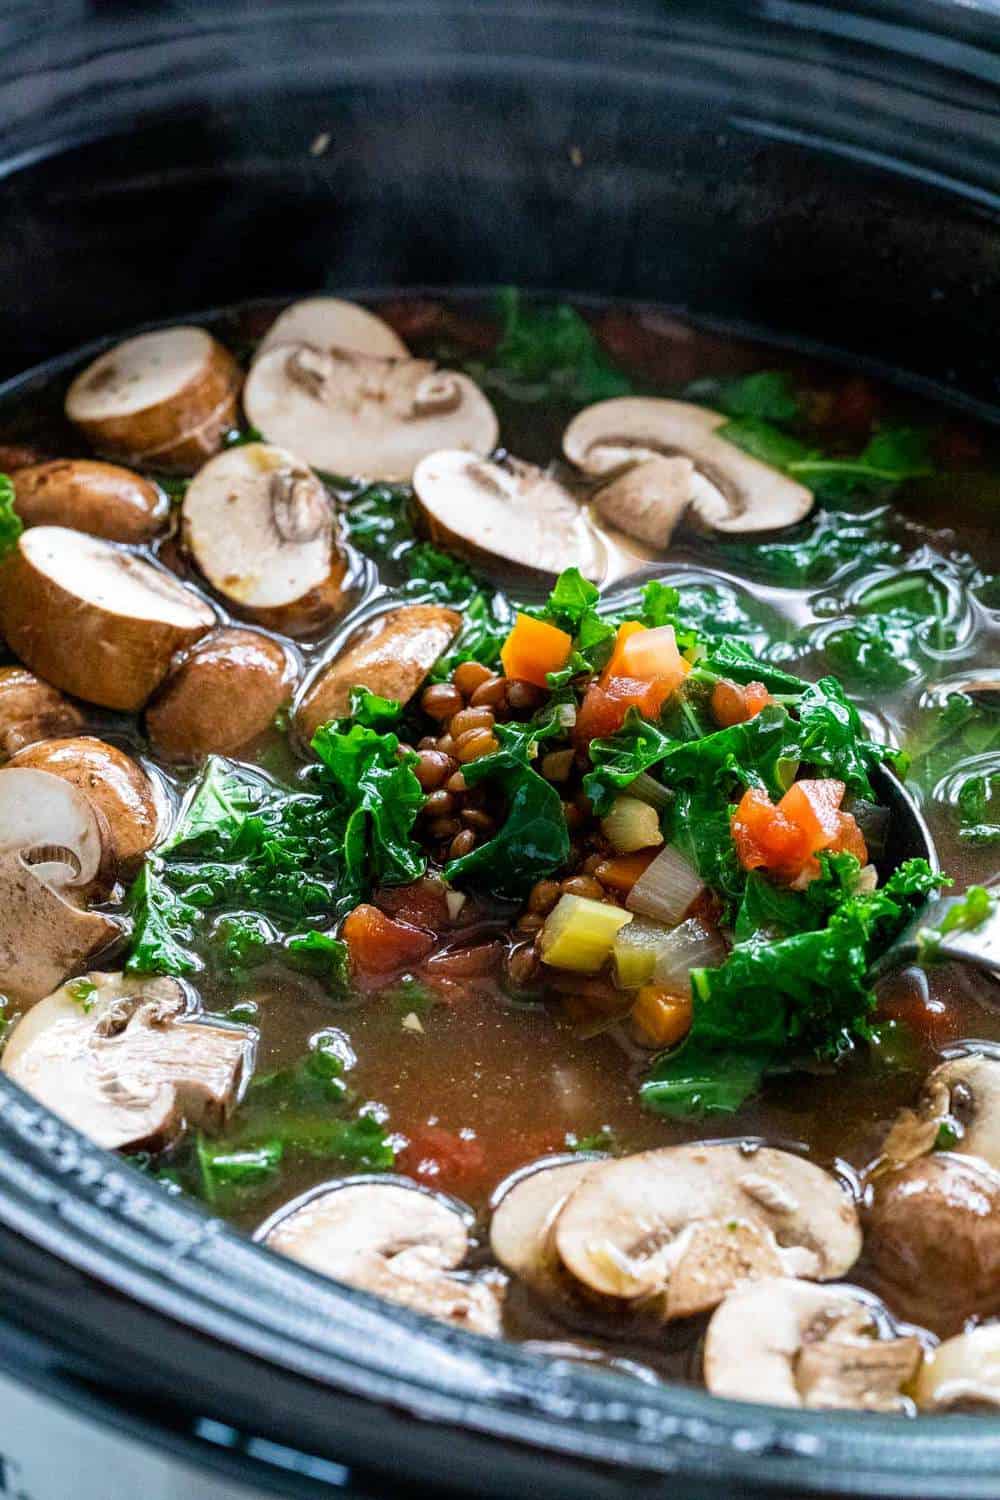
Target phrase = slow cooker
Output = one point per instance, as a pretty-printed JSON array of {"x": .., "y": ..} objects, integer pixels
[{"x": 826, "y": 175}]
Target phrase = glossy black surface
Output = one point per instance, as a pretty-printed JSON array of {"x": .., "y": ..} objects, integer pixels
[{"x": 830, "y": 176}]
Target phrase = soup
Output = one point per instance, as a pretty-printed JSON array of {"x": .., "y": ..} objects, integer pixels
[{"x": 446, "y": 824}]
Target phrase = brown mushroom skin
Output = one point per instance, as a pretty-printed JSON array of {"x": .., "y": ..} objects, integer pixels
[
  {"x": 18, "y": 456},
  {"x": 314, "y": 612},
  {"x": 933, "y": 1240},
  {"x": 119, "y": 789},
  {"x": 176, "y": 434},
  {"x": 390, "y": 656},
  {"x": 219, "y": 696},
  {"x": 32, "y": 710},
  {"x": 101, "y": 499}
]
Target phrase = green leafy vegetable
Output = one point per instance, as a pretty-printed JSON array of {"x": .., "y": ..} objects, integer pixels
[
  {"x": 549, "y": 352},
  {"x": 11, "y": 525},
  {"x": 974, "y": 908},
  {"x": 768, "y": 395}
]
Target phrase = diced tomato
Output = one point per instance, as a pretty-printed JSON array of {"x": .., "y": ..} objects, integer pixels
[
  {"x": 653, "y": 655},
  {"x": 422, "y": 903},
  {"x": 449, "y": 1159},
  {"x": 814, "y": 806},
  {"x": 850, "y": 839},
  {"x": 734, "y": 704},
  {"x": 765, "y": 837},
  {"x": 380, "y": 945},
  {"x": 856, "y": 405}
]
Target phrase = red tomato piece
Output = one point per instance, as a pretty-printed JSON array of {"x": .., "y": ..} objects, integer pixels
[
  {"x": 765, "y": 837},
  {"x": 814, "y": 806},
  {"x": 379, "y": 945},
  {"x": 422, "y": 903}
]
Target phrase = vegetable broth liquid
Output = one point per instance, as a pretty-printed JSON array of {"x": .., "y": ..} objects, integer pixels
[{"x": 888, "y": 585}]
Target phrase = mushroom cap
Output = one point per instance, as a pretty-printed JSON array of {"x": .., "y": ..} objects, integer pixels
[
  {"x": 32, "y": 710},
  {"x": 332, "y": 323},
  {"x": 390, "y": 655},
  {"x": 165, "y": 397},
  {"x": 647, "y": 501},
  {"x": 112, "y": 781},
  {"x": 259, "y": 524},
  {"x": 348, "y": 413},
  {"x": 132, "y": 1066},
  {"x": 55, "y": 854},
  {"x": 933, "y": 1239},
  {"x": 963, "y": 1371},
  {"x": 525, "y": 1209},
  {"x": 391, "y": 1237},
  {"x": 98, "y": 498},
  {"x": 685, "y": 1223},
  {"x": 963, "y": 1093},
  {"x": 792, "y": 1343},
  {"x": 731, "y": 492},
  {"x": 221, "y": 694},
  {"x": 512, "y": 513},
  {"x": 96, "y": 621}
]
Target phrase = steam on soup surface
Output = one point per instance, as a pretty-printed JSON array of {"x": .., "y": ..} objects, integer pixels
[{"x": 443, "y": 824}]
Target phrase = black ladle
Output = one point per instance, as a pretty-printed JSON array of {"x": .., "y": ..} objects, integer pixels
[{"x": 910, "y": 838}]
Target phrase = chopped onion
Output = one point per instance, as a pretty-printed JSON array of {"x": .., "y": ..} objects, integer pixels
[
  {"x": 667, "y": 889},
  {"x": 648, "y": 789},
  {"x": 692, "y": 945}
]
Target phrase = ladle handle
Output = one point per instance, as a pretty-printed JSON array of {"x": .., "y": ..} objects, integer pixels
[{"x": 979, "y": 946}]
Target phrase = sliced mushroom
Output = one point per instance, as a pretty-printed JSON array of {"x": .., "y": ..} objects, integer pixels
[
  {"x": 125, "y": 1059},
  {"x": 525, "y": 1211},
  {"x": 31, "y": 710},
  {"x": 164, "y": 399},
  {"x": 348, "y": 413},
  {"x": 55, "y": 855},
  {"x": 681, "y": 1226},
  {"x": 789, "y": 1343},
  {"x": 391, "y": 656},
  {"x": 962, "y": 1372},
  {"x": 933, "y": 1239},
  {"x": 15, "y": 456},
  {"x": 99, "y": 623},
  {"x": 960, "y": 1104},
  {"x": 730, "y": 490},
  {"x": 220, "y": 695},
  {"x": 648, "y": 500},
  {"x": 100, "y": 499},
  {"x": 259, "y": 524},
  {"x": 112, "y": 781},
  {"x": 512, "y": 513},
  {"x": 392, "y": 1238},
  {"x": 332, "y": 323}
]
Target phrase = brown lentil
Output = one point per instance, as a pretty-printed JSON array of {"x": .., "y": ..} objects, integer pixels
[
  {"x": 543, "y": 897},
  {"x": 574, "y": 817},
  {"x": 475, "y": 744},
  {"x": 591, "y": 863},
  {"x": 432, "y": 768},
  {"x": 522, "y": 965},
  {"x": 444, "y": 828},
  {"x": 439, "y": 804},
  {"x": 440, "y": 700},
  {"x": 470, "y": 718},
  {"x": 446, "y": 744},
  {"x": 456, "y": 783},
  {"x": 524, "y": 697},
  {"x": 477, "y": 820},
  {"x": 462, "y": 843},
  {"x": 429, "y": 742},
  {"x": 470, "y": 675},
  {"x": 557, "y": 764},
  {"x": 530, "y": 922},
  {"x": 490, "y": 693},
  {"x": 583, "y": 885}
]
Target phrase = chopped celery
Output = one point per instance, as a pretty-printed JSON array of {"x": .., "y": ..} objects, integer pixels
[
  {"x": 579, "y": 934},
  {"x": 637, "y": 948},
  {"x": 630, "y": 825}
]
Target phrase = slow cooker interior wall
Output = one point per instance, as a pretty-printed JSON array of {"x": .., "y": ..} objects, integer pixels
[{"x": 227, "y": 203}]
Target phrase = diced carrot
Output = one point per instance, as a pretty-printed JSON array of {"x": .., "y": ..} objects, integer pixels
[
  {"x": 734, "y": 704},
  {"x": 380, "y": 945},
  {"x": 661, "y": 1018},
  {"x": 622, "y": 872},
  {"x": 814, "y": 806},
  {"x": 626, "y": 631},
  {"x": 533, "y": 649}
]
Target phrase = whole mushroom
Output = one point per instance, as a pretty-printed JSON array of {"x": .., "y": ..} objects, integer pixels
[
  {"x": 220, "y": 695},
  {"x": 98, "y": 498},
  {"x": 31, "y": 710}
]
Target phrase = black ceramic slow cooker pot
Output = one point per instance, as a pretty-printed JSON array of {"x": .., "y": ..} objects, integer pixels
[{"x": 826, "y": 174}]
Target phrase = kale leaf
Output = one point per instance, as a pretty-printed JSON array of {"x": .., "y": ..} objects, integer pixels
[{"x": 11, "y": 525}]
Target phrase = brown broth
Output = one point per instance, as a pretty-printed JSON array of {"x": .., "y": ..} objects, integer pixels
[{"x": 485, "y": 1086}]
